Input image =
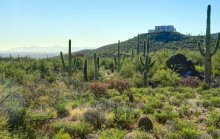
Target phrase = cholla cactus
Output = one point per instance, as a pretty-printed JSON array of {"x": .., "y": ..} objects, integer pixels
[{"x": 207, "y": 52}]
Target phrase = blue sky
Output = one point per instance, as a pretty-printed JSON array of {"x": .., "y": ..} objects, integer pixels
[{"x": 93, "y": 23}]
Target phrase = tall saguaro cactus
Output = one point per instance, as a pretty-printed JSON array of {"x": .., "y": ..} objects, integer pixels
[
  {"x": 85, "y": 72},
  {"x": 147, "y": 46},
  {"x": 207, "y": 52},
  {"x": 147, "y": 64},
  {"x": 138, "y": 44},
  {"x": 71, "y": 66},
  {"x": 118, "y": 61},
  {"x": 96, "y": 67}
]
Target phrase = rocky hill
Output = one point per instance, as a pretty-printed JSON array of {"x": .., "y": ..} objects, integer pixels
[{"x": 168, "y": 40}]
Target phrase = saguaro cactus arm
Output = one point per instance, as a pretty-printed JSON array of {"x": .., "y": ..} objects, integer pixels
[
  {"x": 202, "y": 51},
  {"x": 152, "y": 64},
  {"x": 115, "y": 59},
  {"x": 148, "y": 45},
  {"x": 216, "y": 45},
  {"x": 63, "y": 63},
  {"x": 142, "y": 61}
]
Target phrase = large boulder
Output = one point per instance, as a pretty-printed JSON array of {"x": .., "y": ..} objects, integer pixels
[{"x": 179, "y": 64}]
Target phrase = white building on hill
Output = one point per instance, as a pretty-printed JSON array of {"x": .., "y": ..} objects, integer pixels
[{"x": 168, "y": 28}]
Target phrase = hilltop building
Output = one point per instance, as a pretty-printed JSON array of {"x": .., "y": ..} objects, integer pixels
[{"x": 168, "y": 28}]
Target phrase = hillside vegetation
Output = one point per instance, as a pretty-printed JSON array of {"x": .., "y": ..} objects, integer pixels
[{"x": 160, "y": 40}]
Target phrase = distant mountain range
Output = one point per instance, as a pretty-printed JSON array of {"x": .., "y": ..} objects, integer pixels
[{"x": 38, "y": 52}]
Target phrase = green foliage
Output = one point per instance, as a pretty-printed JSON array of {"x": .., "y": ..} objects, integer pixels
[
  {"x": 163, "y": 116},
  {"x": 61, "y": 135},
  {"x": 73, "y": 129},
  {"x": 112, "y": 134},
  {"x": 166, "y": 77},
  {"x": 95, "y": 118},
  {"x": 127, "y": 69},
  {"x": 61, "y": 109}
]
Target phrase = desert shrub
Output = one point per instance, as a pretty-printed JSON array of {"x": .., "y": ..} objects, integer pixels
[
  {"x": 73, "y": 129},
  {"x": 112, "y": 93},
  {"x": 127, "y": 69},
  {"x": 138, "y": 80},
  {"x": 61, "y": 109},
  {"x": 166, "y": 77},
  {"x": 190, "y": 82},
  {"x": 151, "y": 104},
  {"x": 211, "y": 102},
  {"x": 187, "y": 130},
  {"x": 172, "y": 135},
  {"x": 98, "y": 89},
  {"x": 119, "y": 85},
  {"x": 107, "y": 63},
  {"x": 123, "y": 117},
  {"x": 163, "y": 116},
  {"x": 184, "y": 110},
  {"x": 188, "y": 133},
  {"x": 141, "y": 135},
  {"x": 16, "y": 118},
  {"x": 213, "y": 119},
  {"x": 61, "y": 135},
  {"x": 95, "y": 118},
  {"x": 145, "y": 123},
  {"x": 112, "y": 134},
  {"x": 204, "y": 86}
]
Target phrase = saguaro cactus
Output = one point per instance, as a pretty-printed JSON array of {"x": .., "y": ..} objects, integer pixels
[
  {"x": 96, "y": 68},
  {"x": 118, "y": 61},
  {"x": 147, "y": 64},
  {"x": 72, "y": 66},
  {"x": 147, "y": 46},
  {"x": 132, "y": 53},
  {"x": 138, "y": 44},
  {"x": 85, "y": 72},
  {"x": 207, "y": 52}
]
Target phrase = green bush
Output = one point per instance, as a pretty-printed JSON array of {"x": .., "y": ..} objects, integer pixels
[
  {"x": 95, "y": 118},
  {"x": 166, "y": 77},
  {"x": 73, "y": 129},
  {"x": 61, "y": 135},
  {"x": 112, "y": 134},
  {"x": 138, "y": 80},
  {"x": 127, "y": 70},
  {"x": 163, "y": 116}
]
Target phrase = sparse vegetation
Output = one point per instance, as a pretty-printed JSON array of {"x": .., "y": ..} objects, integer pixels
[{"x": 126, "y": 96}]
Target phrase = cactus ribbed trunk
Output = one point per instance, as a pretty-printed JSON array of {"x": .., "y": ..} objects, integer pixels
[
  {"x": 117, "y": 60},
  {"x": 146, "y": 83},
  {"x": 85, "y": 70},
  {"x": 208, "y": 63},
  {"x": 95, "y": 67},
  {"x": 146, "y": 62},
  {"x": 138, "y": 44},
  {"x": 207, "y": 52},
  {"x": 62, "y": 59},
  {"x": 70, "y": 60}
]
